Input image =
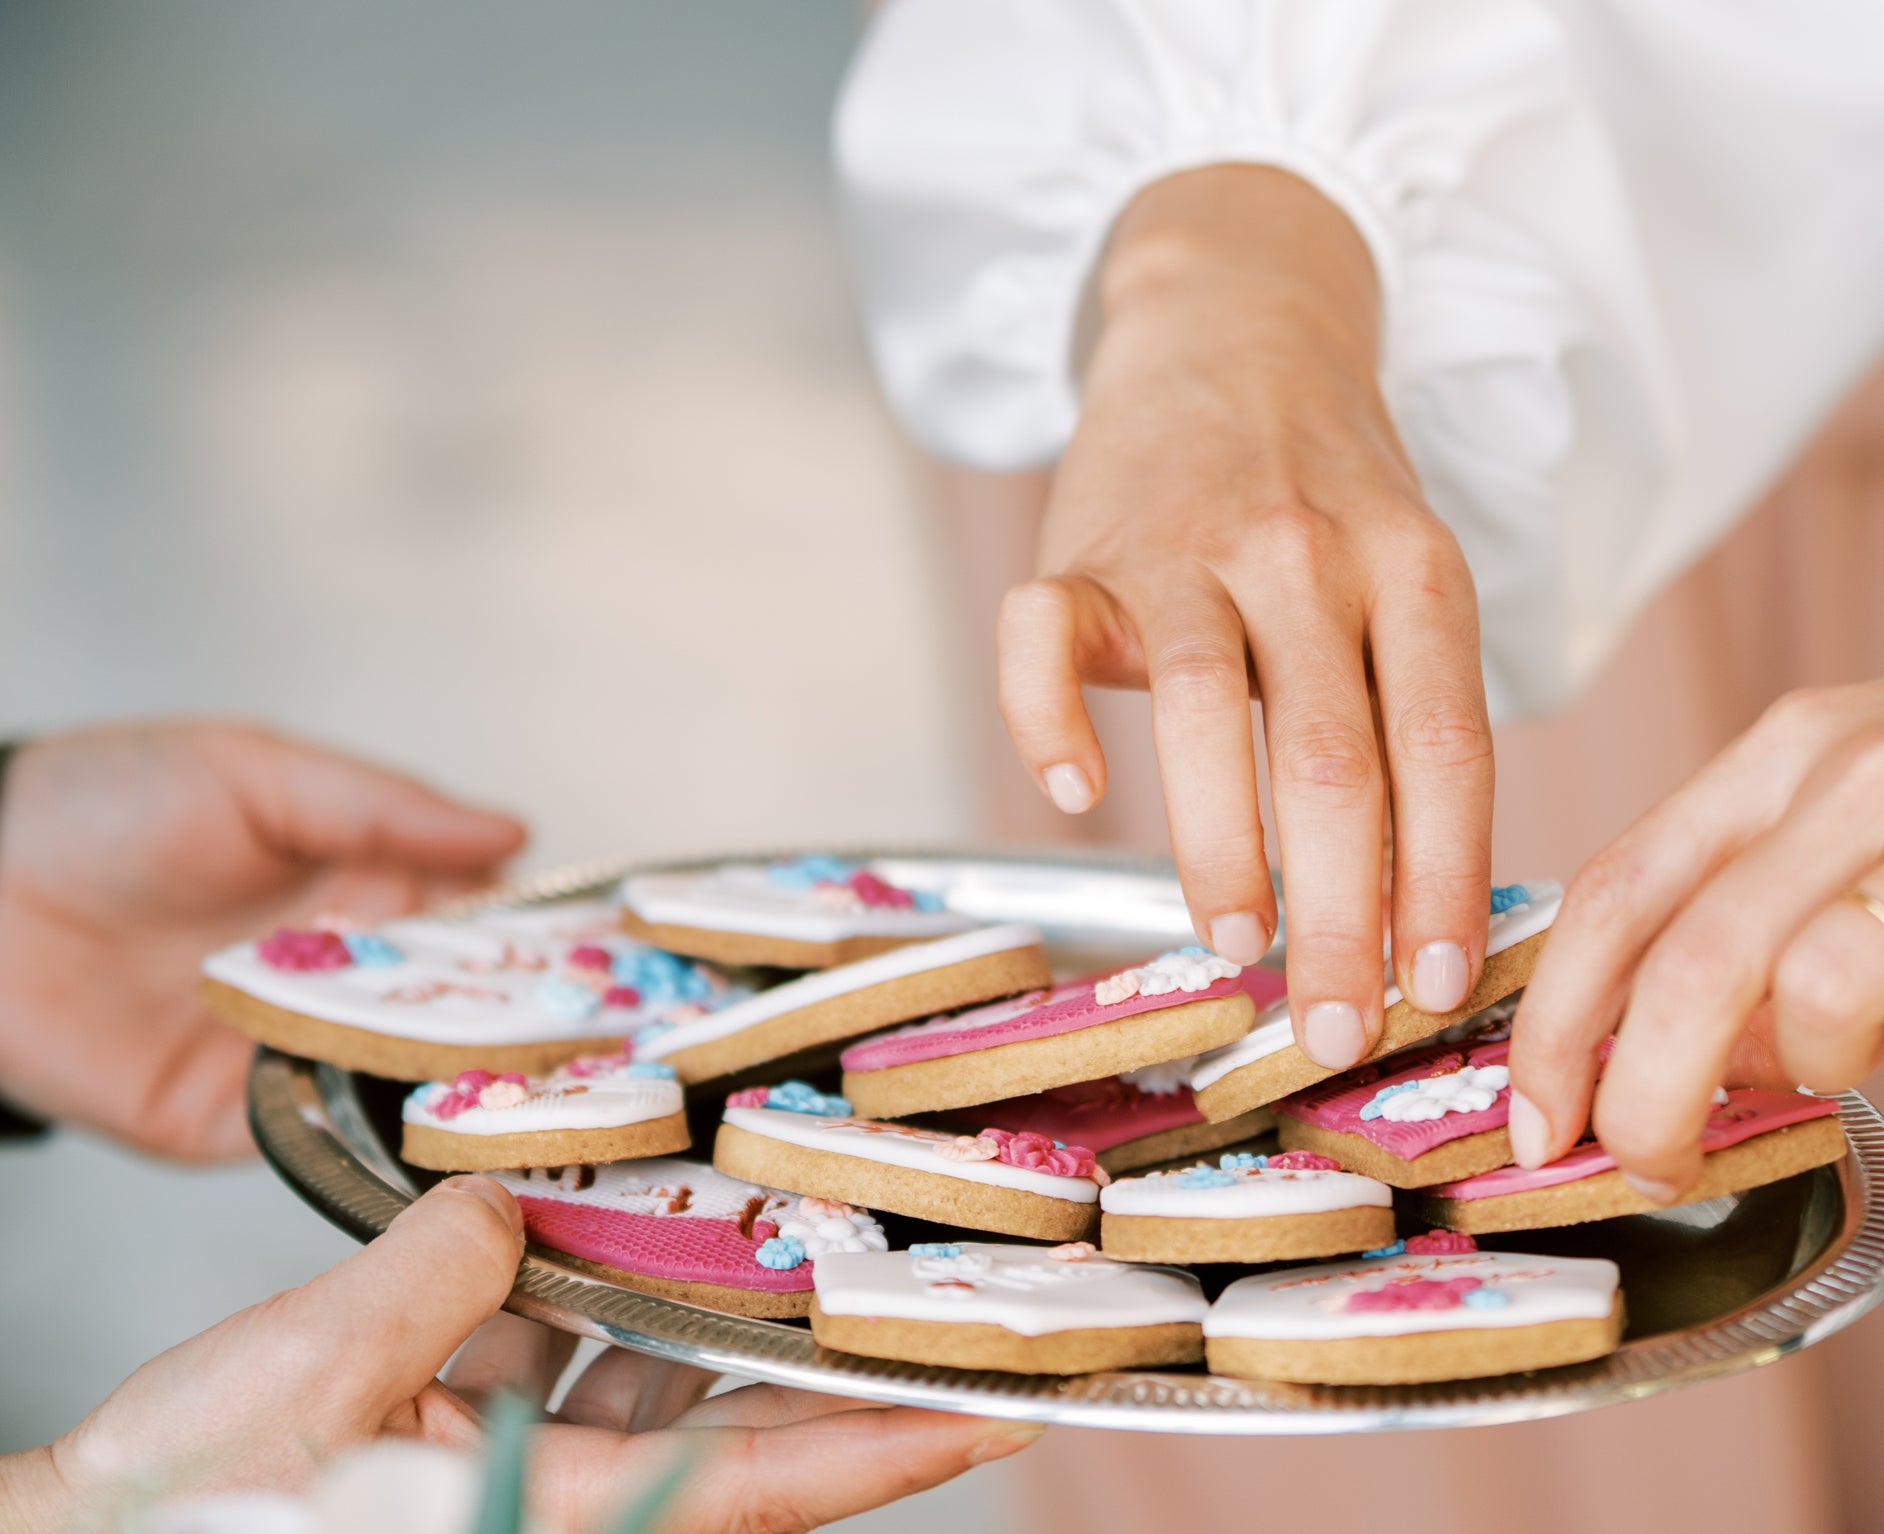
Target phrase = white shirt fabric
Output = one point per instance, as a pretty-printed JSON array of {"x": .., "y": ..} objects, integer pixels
[{"x": 1630, "y": 251}]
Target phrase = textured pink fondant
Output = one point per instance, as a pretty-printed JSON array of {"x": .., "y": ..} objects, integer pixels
[
  {"x": 1064, "y": 1009},
  {"x": 1099, "y": 1114},
  {"x": 1337, "y": 1104},
  {"x": 1746, "y": 1113},
  {"x": 694, "y": 1250}
]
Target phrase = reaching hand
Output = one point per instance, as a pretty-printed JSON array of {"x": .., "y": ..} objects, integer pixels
[
  {"x": 1720, "y": 938},
  {"x": 265, "y": 1398},
  {"x": 1235, "y": 515},
  {"x": 128, "y": 853}
]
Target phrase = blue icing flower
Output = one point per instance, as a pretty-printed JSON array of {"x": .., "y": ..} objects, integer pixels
[
  {"x": 935, "y": 1249},
  {"x": 1195, "y": 951},
  {"x": 806, "y": 872},
  {"x": 647, "y": 1033},
  {"x": 568, "y": 1001},
  {"x": 651, "y": 1070},
  {"x": 1487, "y": 1299},
  {"x": 1505, "y": 896},
  {"x": 659, "y": 976},
  {"x": 926, "y": 900},
  {"x": 802, "y": 1097},
  {"x": 1398, "y": 1249},
  {"x": 1242, "y": 1161},
  {"x": 780, "y": 1252},
  {"x": 1205, "y": 1177},
  {"x": 371, "y": 951},
  {"x": 1371, "y": 1110}
]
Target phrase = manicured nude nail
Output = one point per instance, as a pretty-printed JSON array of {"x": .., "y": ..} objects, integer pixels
[
  {"x": 1440, "y": 977},
  {"x": 1530, "y": 1131},
  {"x": 1239, "y": 937},
  {"x": 493, "y": 1193},
  {"x": 1332, "y": 1034},
  {"x": 1009, "y": 1438},
  {"x": 1069, "y": 788},
  {"x": 1652, "y": 1189}
]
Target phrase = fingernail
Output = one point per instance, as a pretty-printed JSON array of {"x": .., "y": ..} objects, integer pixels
[
  {"x": 1530, "y": 1131},
  {"x": 1650, "y": 1188},
  {"x": 1069, "y": 788},
  {"x": 1009, "y": 1438},
  {"x": 493, "y": 1193},
  {"x": 1439, "y": 977},
  {"x": 1332, "y": 1034},
  {"x": 1239, "y": 937}
]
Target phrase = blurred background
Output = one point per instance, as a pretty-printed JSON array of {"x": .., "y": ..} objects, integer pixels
[{"x": 477, "y": 391}]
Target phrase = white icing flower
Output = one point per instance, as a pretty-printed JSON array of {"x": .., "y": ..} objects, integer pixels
[
  {"x": 1470, "y": 1090},
  {"x": 1162, "y": 1080},
  {"x": 503, "y": 1094},
  {"x": 835, "y": 897},
  {"x": 854, "y": 1232},
  {"x": 1183, "y": 969}
]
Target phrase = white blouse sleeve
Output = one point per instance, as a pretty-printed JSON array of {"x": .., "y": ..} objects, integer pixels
[{"x": 986, "y": 146}]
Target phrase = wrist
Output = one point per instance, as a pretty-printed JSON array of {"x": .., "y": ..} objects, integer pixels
[
  {"x": 34, "y": 1498},
  {"x": 1249, "y": 250}
]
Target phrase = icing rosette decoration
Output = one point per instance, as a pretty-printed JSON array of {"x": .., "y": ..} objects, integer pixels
[
  {"x": 1183, "y": 969},
  {"x": 838, "y": 885},
  {"x": 1428, "y": 1294},
  {"x": 477, "y": 1089},
  {"x": 632, "y": 977},
  {"x": 325, "y": 947},
  {"x": 792, "y": 1097},
  {"x": 1434, "y": 1243},
  {"x": 1468, "y": 1089},
  {"x": 1027, "y": 1150}
]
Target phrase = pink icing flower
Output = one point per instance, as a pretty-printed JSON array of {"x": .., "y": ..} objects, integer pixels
[
  {"x": 969, "y": 1148},
  {"x": 873, "y": 891},
  {"x": 1415, "y": 1294},
  {"x": 748, "y": 1097},
  {"x": 503, "y": 1094},
  {"x": 448, "y": 1102},
  {"x": 1438, "y": 1243},
  {"x": 287, "y": 948},
  {"x": 621, "y": 996},
  {"x": 1038, "y": 1153},
  {"x": 1072, "y": 1251},
  {"x": 1303, "y": 1161},
  {"x": 473, "y": 1081},
  {"x": 590, "y": 956}
]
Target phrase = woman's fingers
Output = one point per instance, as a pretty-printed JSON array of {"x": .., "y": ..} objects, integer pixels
[
  {"x": 1330, "y": 795},
  {"x": 1613, "y": 911},
  {"x": 1714, "y": 964},
  {"x": 1828, "y": 992},
  {"x": 1051, "y": 636},
  {"x": 510, "y": 1354},
  {"x": 1424, "y": 643},
  {"x": 1197, "y": 658},
  {"x": 633, "y": 1393}
]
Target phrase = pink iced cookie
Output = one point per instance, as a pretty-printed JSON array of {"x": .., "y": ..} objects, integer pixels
[
  {"x": 1131, "y": 1121},
  {"x": 1753, "y": 1138},
  {"x": 987, "y": 1053},
  {"x": 1448, "y": 1102},
  {"x": 682, "y": 1230}
]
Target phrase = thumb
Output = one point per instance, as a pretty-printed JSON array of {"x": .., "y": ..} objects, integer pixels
[
  {"x": 402, "y": 1306},
  {"x": 318, "y": 806}
]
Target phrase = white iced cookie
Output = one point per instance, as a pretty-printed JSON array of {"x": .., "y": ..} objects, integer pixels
[
  {"x": 829, "y": 1005},
  {"x": 1030, "y": 1309},
  {"x": 1437, "y": 1310},
  {"x": 423, "y": 998},
  {"x": 594, "y": 1109},
  {"x": 1246, "y": 1208},
  {"x": 800, "y": 913},
  {"x": 1265, "y": 1064}
]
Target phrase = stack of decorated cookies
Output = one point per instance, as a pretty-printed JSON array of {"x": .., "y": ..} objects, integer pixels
[{"x": 853, "y": 1046}]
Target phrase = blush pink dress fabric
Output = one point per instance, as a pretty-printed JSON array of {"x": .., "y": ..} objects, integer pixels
[{"x": 1792, "y": 598}]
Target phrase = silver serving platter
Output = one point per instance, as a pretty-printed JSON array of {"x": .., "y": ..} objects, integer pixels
[{"x": 1712, "y": 1289}]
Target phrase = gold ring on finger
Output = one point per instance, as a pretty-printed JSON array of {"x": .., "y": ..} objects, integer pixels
[{"x": 1864, "y": 900}]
